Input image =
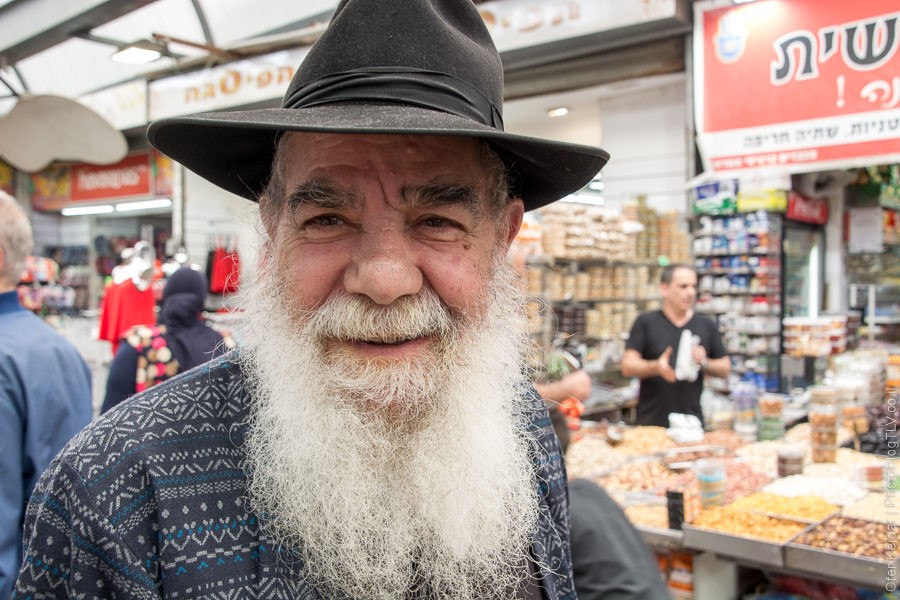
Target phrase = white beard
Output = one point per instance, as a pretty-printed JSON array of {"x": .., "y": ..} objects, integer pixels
[{"x": 390, "y": 478}]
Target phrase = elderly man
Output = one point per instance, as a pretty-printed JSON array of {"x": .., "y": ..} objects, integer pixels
[
  {"x": 375, "y": 436},
  {"x": 45, "y": 391}
]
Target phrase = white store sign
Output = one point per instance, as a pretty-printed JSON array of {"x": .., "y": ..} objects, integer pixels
[
  {"x": 239, "y": 83},
  {"x": 518, "y": 24},
  {"x": 124, "y": 106}
]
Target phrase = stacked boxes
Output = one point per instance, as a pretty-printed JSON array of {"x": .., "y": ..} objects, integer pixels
[{"x": 578, "y": 232}]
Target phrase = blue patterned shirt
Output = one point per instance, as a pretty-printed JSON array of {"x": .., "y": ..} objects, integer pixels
[{"x": 148, "y": 502}]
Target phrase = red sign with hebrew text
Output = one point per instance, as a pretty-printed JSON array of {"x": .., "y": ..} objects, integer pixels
[{"x": 797, "y": 85}]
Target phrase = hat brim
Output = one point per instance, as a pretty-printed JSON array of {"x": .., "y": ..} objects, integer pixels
[{"x": 234, "y": 150}]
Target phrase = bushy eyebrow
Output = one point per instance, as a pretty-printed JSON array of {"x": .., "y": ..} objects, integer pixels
[
  {"x": 436, "y": 194},
  {"x": 325, "y": 195},
  {"x": 321, "y": 195}
]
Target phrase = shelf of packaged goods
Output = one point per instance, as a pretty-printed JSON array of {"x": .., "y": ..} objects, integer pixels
[
  {"x": 758, "y": 271},
  {"x": 739, "y": 313},
  {"x": 559, "y": 261},
  {"x": 731, "y": 234},
  {"x": 757, "y": 371},
  {"x": 606, "y": 337},
  {"x": 604, "y": 300},
  {"x": 757, "y": 333},
  {"x": 738, "y": 292},
  {"x": 877, "y": 320},
  {"x": 753, "y": 252}
]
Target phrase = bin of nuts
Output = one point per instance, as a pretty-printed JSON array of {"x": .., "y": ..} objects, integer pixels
[
  {"x": 859, "y": 549},
  {"x": 807, "y": 508},
  {"x": 741, "y": 533}
]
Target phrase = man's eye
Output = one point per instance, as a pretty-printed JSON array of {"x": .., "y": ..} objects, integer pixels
[
  {"x": 324, "y": 221},
  {"x": 439, "y": 222}
]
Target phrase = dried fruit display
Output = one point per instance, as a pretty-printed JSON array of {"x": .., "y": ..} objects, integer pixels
[
  {"x": 749, "y": 524},
  {"x": 811, "y": 508}
]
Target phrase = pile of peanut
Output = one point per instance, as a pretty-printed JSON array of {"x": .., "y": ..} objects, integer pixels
[{"x": 854, "y": 536}]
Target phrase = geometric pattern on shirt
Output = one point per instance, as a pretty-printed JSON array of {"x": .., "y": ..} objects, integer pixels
[{"x": 149, "y": 502}]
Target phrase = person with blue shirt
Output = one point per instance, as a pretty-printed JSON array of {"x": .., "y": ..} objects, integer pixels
[{"x": 45, "y": 392}]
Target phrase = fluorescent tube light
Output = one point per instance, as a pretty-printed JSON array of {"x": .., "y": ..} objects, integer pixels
[
  {"x": 129, "y": 206},
  {"x": 74, "y": 211}
]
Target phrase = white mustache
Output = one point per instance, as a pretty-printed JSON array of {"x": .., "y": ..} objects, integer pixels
[{"x": 357, "y": 318}]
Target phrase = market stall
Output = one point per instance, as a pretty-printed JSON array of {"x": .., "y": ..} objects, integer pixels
[{"x": 809, "y": 506}]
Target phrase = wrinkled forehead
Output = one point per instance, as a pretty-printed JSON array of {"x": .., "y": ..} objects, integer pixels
[{"x": 322, "y": 148}]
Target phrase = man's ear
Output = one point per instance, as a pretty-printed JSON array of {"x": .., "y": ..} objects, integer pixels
[{"x": 515, "y": 211}]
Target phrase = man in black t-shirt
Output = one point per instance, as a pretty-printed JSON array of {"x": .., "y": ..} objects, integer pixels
[{"x": 651, "y": 351}]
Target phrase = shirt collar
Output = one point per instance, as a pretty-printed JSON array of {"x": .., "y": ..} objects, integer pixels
[{"x": 9, "y": 302}]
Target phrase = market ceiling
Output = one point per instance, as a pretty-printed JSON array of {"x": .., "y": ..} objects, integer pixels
[{"x": 64, "y": 47}]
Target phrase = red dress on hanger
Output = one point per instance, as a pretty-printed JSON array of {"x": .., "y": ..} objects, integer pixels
[{"x": 123, "y": 307}]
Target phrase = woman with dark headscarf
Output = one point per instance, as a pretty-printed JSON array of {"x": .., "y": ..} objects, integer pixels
[{"x": 182, "y": 341}]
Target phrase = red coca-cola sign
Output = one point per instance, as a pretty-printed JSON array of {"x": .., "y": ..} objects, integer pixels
[{"x": 807, "y": 210}]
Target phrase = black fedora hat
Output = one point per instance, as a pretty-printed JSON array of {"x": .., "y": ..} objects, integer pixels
[{"x": 383, "y": 66}]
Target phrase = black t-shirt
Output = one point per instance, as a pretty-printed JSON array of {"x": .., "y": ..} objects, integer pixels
[{"x": 650, "y": 335}]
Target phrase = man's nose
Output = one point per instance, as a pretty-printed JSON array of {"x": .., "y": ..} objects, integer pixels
[{"x": 384, "y": 268}]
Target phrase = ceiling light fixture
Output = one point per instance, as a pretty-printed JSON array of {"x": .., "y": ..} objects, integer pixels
[
  {"x": 75, "y": 211},
  {"x": 145, "y": 204},
  {"x": 558, "y": 112},
  {"x": 140, "y": 52},
  {"x": 743, "y": 1}
]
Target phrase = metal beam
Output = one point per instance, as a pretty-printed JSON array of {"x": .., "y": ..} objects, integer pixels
[{"x": 31, "y": 26}]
